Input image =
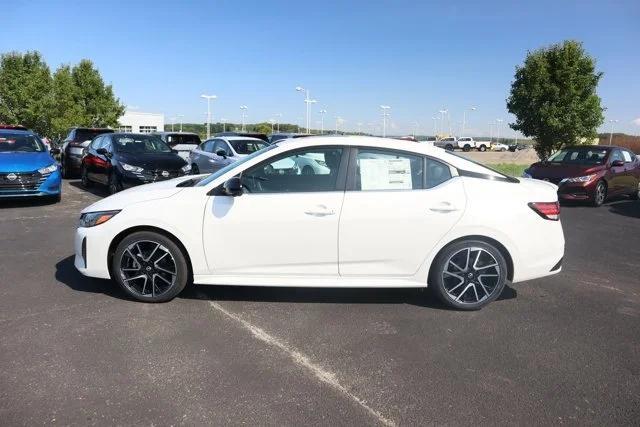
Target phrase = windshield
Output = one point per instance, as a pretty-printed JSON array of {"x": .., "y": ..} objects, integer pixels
[
  {"x": 139, "y": 144},
  {"x": 233, "y": 165},
  {"x": 580, "y": 156},
  {"x": 183, "y": 138},
  {"x": 246, "y": 146},
  {"x": 20, "y": 143}
]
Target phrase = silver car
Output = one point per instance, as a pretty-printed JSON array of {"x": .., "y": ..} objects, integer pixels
[{"x": 216, "y": 153}]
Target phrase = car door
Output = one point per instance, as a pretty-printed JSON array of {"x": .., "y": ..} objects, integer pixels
[
  {"x": 221, "y": 161},
  {"x": 630, "y": 179},
  {"x": 397, "y": 207},
  {"x": 91, "y": 157},
  {"x": 103, "y": 161},
  {"x": 201, "y": 157},
  {"x": 616, "y": 174},
  {"x": 285, "y": 223}
]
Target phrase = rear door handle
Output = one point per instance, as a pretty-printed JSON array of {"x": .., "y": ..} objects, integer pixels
[
  {"x": 443, "y": 207},
  {"x": 320, "y": 210}
]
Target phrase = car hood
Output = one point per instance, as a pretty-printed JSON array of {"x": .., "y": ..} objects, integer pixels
[
  {"x": 138, "y": 194},
  {"x": 550, "y": 170},
  {"x": 24, "y": 162},
  {"x": 166, "y": 161}
]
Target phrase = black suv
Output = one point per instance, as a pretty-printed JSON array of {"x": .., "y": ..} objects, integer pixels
[{"x": 73, "y": 147}]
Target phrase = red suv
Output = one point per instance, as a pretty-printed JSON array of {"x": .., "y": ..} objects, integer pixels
[{"x": 590, "y": 173}]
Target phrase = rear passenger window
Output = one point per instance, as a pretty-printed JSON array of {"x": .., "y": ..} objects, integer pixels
[
  {"x": 437, "y": 173},
  {"x": 388, "y": 170}
]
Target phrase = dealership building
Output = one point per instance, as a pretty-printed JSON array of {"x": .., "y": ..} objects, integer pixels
[{"x": 139, "y": 122}]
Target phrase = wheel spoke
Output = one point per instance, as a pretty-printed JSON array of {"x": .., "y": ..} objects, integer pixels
[
  {"x": 463, "y": 292},
  {"x": 135, "y": 277},
  {"x": 475, "y": 263},
  {"x": 164, "y": 268},
  {"x": 160, "y": 277},
  {"x": 486, "y": 266},
  {"x": 466, "y": 266},
  {"x": 456, "y": 265},
  {"x": 152, "y": 252},
  {"x": 475, "y": 291}
]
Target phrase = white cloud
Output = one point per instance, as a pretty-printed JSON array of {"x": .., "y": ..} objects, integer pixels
[{"x": 636, "y": 121}]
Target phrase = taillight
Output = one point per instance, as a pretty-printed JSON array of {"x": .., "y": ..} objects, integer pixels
[{"x": 547, "y": 210}]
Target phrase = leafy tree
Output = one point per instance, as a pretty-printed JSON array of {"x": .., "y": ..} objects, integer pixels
[
  {"x": 554, "y": 97},
  {"x": 66, "y": 112},
  {"x": 25, "y": 90},
  {"x": 99, "y": 106}
]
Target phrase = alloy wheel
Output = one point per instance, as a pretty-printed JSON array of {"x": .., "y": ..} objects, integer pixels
[
  {"x": 471, "y": 275},
  {"x": 600, "y": 194},
  {"x": 147, "y": 268}
]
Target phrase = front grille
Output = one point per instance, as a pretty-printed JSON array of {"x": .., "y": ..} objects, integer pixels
[
  {"x": 156, "y": 175},
  {"x": 29, "y": 181}
]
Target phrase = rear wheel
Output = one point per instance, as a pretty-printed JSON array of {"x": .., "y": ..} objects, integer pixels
[
  {"x": 449, "y": 147},
  {"x": 636, "y": 194},
  {"x": 466, "y": 147},
  {"x": 469, "y": 275},
  {"x": 599, "y": 194},
  {"x": 483, "y": 148},
  {"x": 195, "y": 170},
  {"x": 150, "y": 267},
  {"x": 64, "y": 169}
]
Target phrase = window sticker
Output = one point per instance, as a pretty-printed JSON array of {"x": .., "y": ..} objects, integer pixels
[{"x": 385, "y": 174}]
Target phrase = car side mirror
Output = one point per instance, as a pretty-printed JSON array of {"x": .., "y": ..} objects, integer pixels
[
  {"x": 232, "y": 187},
  {"x": 54, "y": 151},
  {"x": 103, "y": 151},
  {"x": 617, "y": 163},
  {"x": 221, "y": 153}
]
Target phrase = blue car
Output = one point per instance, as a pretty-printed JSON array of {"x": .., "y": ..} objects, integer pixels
[{"x": 26, "y": 167}]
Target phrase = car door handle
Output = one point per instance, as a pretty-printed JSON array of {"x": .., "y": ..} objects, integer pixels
[
  {"x": 443, "y": 207},
  {"x": 320, "y": 210}
]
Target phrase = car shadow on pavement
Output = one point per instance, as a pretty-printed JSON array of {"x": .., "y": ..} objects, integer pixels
[
  {"x": 26, "y": 202},
  {"x": 96, "y": 189},
  {"x": 67, "y": 274},
  {"x": 630, "y": 208}
]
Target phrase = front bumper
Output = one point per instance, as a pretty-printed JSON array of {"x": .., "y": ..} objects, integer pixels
[
  {"x": 130, "y": 179},
  {"x": 577, "y": 191},
  {"x": 32, "y": 186},
  {"x": 91, "y": 252}
]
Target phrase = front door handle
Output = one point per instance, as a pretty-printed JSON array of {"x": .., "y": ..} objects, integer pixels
[
  {"x": 320, "y": 210},
  {"x": 443, "y": 207}
]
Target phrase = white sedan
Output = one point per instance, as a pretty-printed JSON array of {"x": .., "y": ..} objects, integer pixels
[
  {"x": 378, "y": 213},
  {"x": 498, "y": 146}
]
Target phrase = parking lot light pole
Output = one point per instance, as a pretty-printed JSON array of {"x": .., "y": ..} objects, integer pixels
[
  {"x": 322, "y": 113},
  {"x": 612, "y": 121},
  {"x": 307, "y": 101},
  {"x": 224, "y": 124},
  {"x": 464, "y": 119},
  {"x": 180, "y": 116},
  {"x": 173, "y": 120},
  {"x": 442, "y": 113},
  {"x": 385, "y": 114},
  {"x": 490, "y": 131},
  {"x": 243, "y": 108},
  {"x": 435, "y": 126},
  {"x": 416, "y": 125},
  {"x": 498, "y": 121},
  {"x": 208, "y": 98},
  {"x": 278, "y": 120}
]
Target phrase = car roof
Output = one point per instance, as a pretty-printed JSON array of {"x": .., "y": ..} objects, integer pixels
[
  {"x": 16, "y": 132},
  {"x": 174, "y": 133},
  {"x": 237, "y": 138}
]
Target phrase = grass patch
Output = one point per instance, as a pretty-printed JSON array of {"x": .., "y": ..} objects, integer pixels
[{"x": 510, "y": 169}]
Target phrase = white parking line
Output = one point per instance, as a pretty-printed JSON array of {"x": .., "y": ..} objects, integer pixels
[{"x": 303, "y": 361}]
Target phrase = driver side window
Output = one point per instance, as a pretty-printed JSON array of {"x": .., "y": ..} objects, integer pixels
[
  {"x": 616, "y": 155},
  {"x": 220, "y": 145},
  {"x": 308, "y": 170}
]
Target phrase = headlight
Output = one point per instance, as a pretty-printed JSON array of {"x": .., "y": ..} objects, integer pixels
[
  {"x": 91, "y": 219},
  {"x": 526, "y": 174},
  {"x": 130, "y": 168},
  {"x": 49, "y": 169},
  {"x": 186, "y": 168},
  {"x": 585, "y": 178}
]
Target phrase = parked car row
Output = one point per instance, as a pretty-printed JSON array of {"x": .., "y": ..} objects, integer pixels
[{"x": 463, "y": 143}]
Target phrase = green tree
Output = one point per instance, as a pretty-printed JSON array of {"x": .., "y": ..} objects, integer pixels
[
  {"x": 554, "y": 97},
  {"x": 99, "y": 106},
  {"x": 66, "y": 112},
  {"x": 25, "y": 91}
]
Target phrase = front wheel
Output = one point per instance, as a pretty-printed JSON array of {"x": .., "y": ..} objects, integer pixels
[
  {"x": 449, "y": 147},
  {"x": 86, "y": 182},
  {"x": 600, "y": 194},
  {"x": 195, "y": 170},
  {"x": 483, "y": 148},
  {"x": 150, "y": 267},
  {"x": 467, "y": 147},
  {"x": 114, "y": 183},
  {"x": 469, "y": 275}
]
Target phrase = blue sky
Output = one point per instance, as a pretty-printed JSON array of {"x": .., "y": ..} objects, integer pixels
[{"x": 415, "y": 56}]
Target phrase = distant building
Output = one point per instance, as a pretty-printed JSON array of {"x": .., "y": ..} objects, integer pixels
[{"x": 139, "y": 122}]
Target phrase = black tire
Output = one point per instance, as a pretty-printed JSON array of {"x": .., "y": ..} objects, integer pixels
[
  {"x": 449, "y": 147},
  {"x": 599, "y": 194},
  {"x": 195, "y": 170},
  {"x": 86, "y": 182},
  {"x": 115, "y": 185},
  {"x": 466, "y": 147},
  {"x": 482, "y": 148},
  {"x": 137, "y": 288},
  {"x": 636, "y": 194},
  {"x": 485, "y": 287},
  {"x": 64, "y": 169}
]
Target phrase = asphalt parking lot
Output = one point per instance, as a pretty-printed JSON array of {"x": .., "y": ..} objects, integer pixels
[{"x": 73, "y": 350}]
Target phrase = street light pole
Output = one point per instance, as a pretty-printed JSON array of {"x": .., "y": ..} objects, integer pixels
[
  {"x": 490, "y": 131},
  {"x": 611, "y": 130},
  {"x": 385, "y": 114},
  {"x": 435, "y": 125},
  {"x": 243, "y": 108},
  {"x": 180, "y": 116},
  {"x": 322, "y": 113},
  {"x": 442, "y": 113},
  {"x": 498, "y": 121},
  {"x": 224, "y": 124},
  {"x": 208, "y": 98},
  {"x": 279, "y": 117},
  {"x": 415, "y": 129},
  {"x": 464, "y": 119},
  {"x": 307, "y": 101},
  {"x": 173, "y": 120}
]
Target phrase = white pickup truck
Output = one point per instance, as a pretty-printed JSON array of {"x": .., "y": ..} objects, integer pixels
[{"x": 466, "y": 143}]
